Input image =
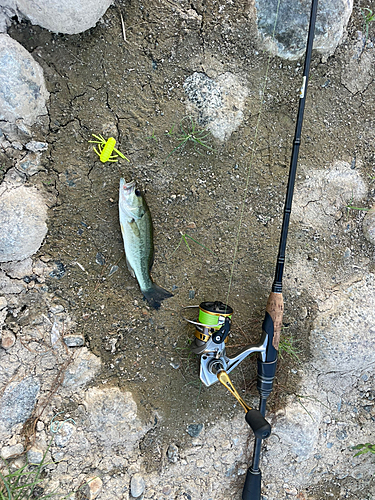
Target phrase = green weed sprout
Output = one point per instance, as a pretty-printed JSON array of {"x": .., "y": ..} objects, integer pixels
[
  {"x": 183, "y": 238},
  {"x": 364, "y": 448},
  {"x": 361, "y": 209},
  {"x": 369, "y": 17},
  {"x": 188, "y": 132},
  {"x": 287, "y": 346},
  {"x": 23, "y": 483}
]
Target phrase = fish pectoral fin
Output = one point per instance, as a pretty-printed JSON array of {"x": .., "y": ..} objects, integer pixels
[
  {"x": 133, "y": 226},
  {"x": 131, "y": 270}
]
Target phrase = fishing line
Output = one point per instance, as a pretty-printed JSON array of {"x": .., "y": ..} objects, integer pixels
[{"x": 252, "y": 158}]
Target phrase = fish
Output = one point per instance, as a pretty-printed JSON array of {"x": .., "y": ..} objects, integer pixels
[{"x": 137, "y": 233}]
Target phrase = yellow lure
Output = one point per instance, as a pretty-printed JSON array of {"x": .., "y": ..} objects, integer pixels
[{"x": 106, "y": 148}]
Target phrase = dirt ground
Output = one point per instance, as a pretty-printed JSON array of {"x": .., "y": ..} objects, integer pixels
[{"x": 133, "y": 90}]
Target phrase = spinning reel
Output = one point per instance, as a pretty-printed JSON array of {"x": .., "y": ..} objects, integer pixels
[{"x": 211, "y": 335}]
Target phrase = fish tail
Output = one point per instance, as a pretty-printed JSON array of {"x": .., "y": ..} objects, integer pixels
[{"x": 155, "y": 295}]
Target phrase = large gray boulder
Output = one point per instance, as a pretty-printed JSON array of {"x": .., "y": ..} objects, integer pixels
[
  {"x": 64, "y": 16},
  {"x": 292, "y": 20},
  {"x": 23, "y": 93}
]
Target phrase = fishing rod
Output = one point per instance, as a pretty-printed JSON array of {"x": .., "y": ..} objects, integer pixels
[{"x": 214, "y": 318}]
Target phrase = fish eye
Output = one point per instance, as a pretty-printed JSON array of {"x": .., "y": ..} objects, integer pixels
[{"x": 137, "y": 192}]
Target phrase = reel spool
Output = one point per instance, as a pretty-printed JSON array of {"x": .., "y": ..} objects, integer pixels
[{"x": 213, "y": 322}]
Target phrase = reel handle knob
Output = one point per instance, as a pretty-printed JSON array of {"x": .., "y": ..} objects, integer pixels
[{"x": 258, "y": 424}]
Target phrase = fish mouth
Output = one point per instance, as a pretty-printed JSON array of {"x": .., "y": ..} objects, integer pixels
[{"x": 127, "y": 186}]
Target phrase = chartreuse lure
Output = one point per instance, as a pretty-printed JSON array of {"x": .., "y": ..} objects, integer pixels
[{"x": 106, "y": 148}]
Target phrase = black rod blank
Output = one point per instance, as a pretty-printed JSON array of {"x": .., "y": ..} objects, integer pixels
[
  {"x": 277, "y": 284},
  {"x": 252, "y": 487}
]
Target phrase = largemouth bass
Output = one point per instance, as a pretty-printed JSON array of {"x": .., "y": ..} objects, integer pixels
[{"x": 137, "y": 233}]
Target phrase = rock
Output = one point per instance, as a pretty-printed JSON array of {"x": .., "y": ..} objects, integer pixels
[
  {"x": 30, "y": 164},
  {"x": 73, "y": 340},
  {"x": 341, "y": 339},
  {"x": 35, "y": 455},
  {"x": 358, "y": 72},
  {"x": 368, "y": 226},
  {"x": 35, "y": 146},
  {"x": 23, "y": 93},
  {"x": 18, "y": 401},
  {"x": 100, "y": 259},
  {"x": 66, "y": 16},
  {"x": 113, "y": 418},
  {"x": 10, "y": 451},
  {"x": 137, "y": 485},
  {"x": 95, "y": 485},
  {"x": 172, "y": 453},
  {"x": 3, "y": 315},
  {"x": 23, "y": 227},
  {"x": 8, "y": 339},
  {"x": 90, "y": 490},
  {"x": 218, "y": 104},
  {"x": 292, "y": 25},
  {"x": 64, "y": 434},
  {"x": 18, "y": 270},
  {"x": 83, "y": 369},
  {"x": 8, "y": 285},
  {"x": 324, "y": 192},
  {"x": 194, "y": 430}
]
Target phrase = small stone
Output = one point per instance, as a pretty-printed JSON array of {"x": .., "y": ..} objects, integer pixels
[
  {"x": 35, "y": 455},
  {"x": 10, "y": 451},
  {"x": 39, "y": 426},
  {"x": 167, "y": 490},
  {"x": 191, "y": 294},
  {"x": 57, "y": 309},
  {"x": 35, "y": 146},
  {"x": 200, "y": 464},
  {"x": 83, "y": 369},
  {"x": 100, "y": 259},
  {"x": 172, "y": 453},
  {"x": 95, "y": 485},
  {"x": 74, "y": 340},
  {"x": 291, "y": 491},
  {"x": 113, "y": 269},
  {"x": 191, "y": 225},
  {"x": 58, "y": 271},
  {"x": 64, "y": 434},
  {"x": 57, "y": 455},
  {"x": 8, "y": 339},
  {"x": 194, "y": 430},
  {"x": 137, "y": 485},
  {"x": 30, "y": 164},
  {"x": 3, "y": 303}
]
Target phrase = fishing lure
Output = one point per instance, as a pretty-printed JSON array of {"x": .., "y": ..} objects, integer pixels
[{"x": 106, "y": 148}]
